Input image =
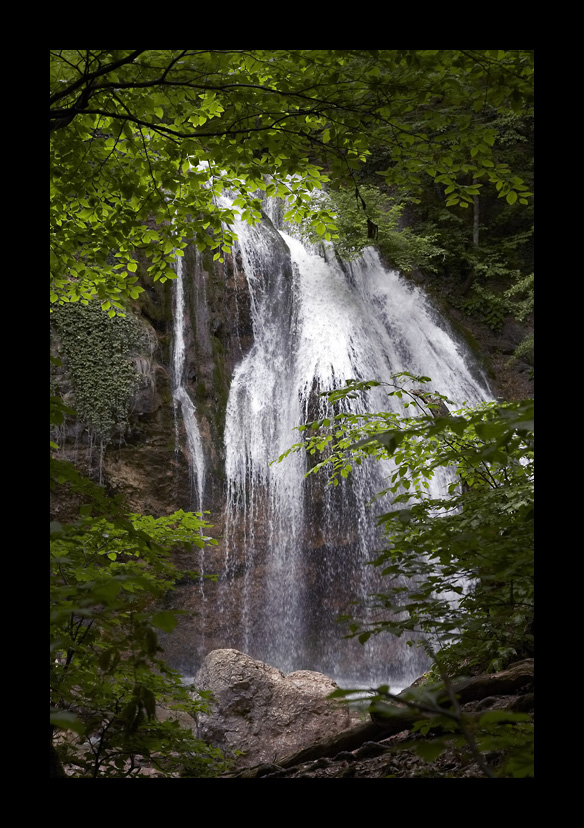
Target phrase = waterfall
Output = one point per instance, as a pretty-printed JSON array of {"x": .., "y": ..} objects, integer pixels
[
  {"x": 317, "y": 322},
  {"x": 296, "y": 549},
  {"x": 180, "y": 395},
  {"x": 264, "y": 509}
]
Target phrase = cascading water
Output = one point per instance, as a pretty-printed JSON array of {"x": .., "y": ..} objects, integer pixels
[
  {"x": 360, "y": 321},
  {"x": 264, "y": 509},
  {"x": 181, "y": 398},
  {"x": 295, "y": 549}
]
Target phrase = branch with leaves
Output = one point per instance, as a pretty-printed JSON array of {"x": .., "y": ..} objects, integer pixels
[{"x": 135, "y": 132}]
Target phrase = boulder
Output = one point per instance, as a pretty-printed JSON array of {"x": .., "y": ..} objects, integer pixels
[{"x": 262, "y": 712}]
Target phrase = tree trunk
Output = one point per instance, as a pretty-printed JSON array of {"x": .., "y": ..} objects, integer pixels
[{"x": 475, "y": 222}]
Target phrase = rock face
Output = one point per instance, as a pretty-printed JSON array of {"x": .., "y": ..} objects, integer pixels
[{"x": 261, "y": 711}]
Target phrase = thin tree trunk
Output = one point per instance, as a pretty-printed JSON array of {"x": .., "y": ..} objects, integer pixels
[{"x": 475, "y": 221}]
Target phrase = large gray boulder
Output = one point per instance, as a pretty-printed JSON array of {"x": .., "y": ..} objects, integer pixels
[{"x": 261, "y": 711}]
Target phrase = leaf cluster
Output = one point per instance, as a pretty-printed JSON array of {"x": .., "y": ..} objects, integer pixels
[
  {"x": 355, "y": 213},
  {"x": 458, "y": 568},
  {"x": 144, "y": 143},
  {"x": 432, "y": 710},
  {"x": 109, "y": 572}
]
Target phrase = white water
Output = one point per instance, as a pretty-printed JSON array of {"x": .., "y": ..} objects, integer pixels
[
  {"x": 296, "y": 545},
  {"x": 180, "y": 396}
]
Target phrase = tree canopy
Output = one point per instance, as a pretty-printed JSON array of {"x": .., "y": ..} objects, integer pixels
[{"x": 144, "y": 143}]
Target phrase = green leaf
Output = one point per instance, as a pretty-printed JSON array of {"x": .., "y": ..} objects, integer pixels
[
  {"x": 108, "y": 591},
  {"x": 65, "y": 720},
  {"x": 430, "y": 749},
  {"x": 165, "y": 621}
]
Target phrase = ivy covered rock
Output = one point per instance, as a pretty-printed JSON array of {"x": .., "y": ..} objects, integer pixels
[{"x": 98, "y": 353}]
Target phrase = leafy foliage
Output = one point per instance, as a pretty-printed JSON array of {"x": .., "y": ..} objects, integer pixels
[
  {"x": 474, "y": 542},
  {"x": 488, "y": 249},
  {"x": 144, "y": 143},
  {"x": 522, "y": 295},
  {"x": 367, "y": 217},
  {"x": 467, "y": 555},
  {"x": 109, "y": 571},
  {"x": 505, "y": 736}
]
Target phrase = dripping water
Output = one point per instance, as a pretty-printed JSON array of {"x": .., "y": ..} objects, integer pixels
[
  {"x": 194, "y": 444},
  {"x": 181, "y": 398}
]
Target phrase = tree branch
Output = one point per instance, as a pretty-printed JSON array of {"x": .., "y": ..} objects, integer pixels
[{"x": 88, "y": 78}]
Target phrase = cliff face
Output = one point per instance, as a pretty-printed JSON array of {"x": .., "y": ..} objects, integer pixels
[{"x": 510, "y": 376}]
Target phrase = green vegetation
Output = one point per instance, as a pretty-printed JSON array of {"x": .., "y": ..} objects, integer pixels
[
  {"x": 143, "y": 145},
  {"x": 467, "y": 554},
  {"x": 368, "y": 216},
  {"x": 97, "y": 349},
  {"x": 487, "y": 249},
  {"x": 115, "y": 704}
]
